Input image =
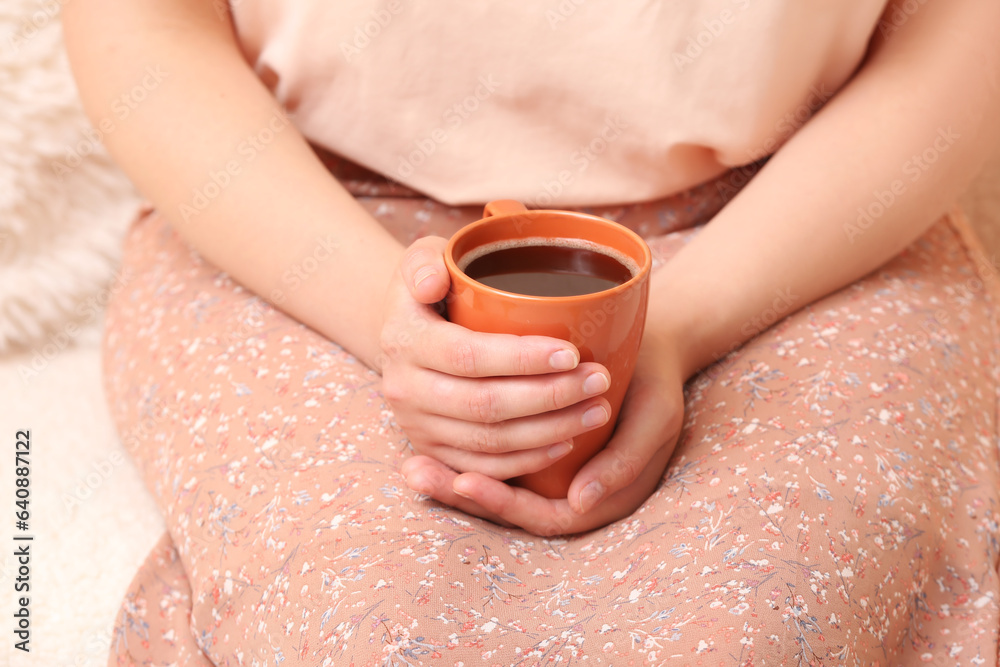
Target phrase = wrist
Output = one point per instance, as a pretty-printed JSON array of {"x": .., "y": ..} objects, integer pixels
[
  {"x": 691, "y": 326},
  {"x": 345, "y": 303},
  {"x": 371, "y": 320},
  {"x": 679, "y": 344}
]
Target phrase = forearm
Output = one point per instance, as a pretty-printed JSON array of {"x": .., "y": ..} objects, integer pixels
[
  {"x": 211, "y": 148},
  {"x": 849, "y": 191}
]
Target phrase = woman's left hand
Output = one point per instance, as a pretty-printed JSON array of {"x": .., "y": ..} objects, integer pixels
[{"x": 609, "y": 487}]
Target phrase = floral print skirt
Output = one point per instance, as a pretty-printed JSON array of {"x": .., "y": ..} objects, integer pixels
[{"x": 833, "y": 499}]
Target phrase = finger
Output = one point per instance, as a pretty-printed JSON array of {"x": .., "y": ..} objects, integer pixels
[
  {"x": 515, "y": 434},
  {"x": 419, "y": 333},
  {"x": 455, "y": 350},
  {"x": 544, "y": 516},
  {"x": 498, "y": 466},
  {"x": 432, "y": 478},
  {"x": 520, "y": 507},
  {"x": 424, "y": 271},
  {"x": 499, "y": 399},
  {"x": 646, "y": 433}
]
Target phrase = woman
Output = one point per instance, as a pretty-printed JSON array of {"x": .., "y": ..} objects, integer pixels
[{"x": 831, "y": 494}]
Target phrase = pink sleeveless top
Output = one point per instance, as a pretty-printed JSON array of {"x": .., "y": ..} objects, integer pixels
[{"x": 553, "y": 102}]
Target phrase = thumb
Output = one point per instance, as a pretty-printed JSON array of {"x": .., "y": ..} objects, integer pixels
[{"x": 424, "y": 271}]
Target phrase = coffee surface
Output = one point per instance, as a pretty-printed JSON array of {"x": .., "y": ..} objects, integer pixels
[{"x": 548, "y": 270}]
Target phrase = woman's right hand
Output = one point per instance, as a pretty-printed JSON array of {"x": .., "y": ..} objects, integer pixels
[{"x": 498, "y": 404}]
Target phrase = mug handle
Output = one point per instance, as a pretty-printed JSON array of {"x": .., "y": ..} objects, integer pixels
[{"x": 503, "y": 207}]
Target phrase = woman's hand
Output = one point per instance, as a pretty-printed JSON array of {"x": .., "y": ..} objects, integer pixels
[
  {"x": 626, "y": 471},
  {"x": 493, "y": 404}
]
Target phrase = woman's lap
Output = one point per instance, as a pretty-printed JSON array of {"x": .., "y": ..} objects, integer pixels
[{"x": 834, "y": 499}]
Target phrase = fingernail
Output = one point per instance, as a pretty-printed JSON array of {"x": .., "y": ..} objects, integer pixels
[
  {"x": 419, "y": 486},
  {"x": 562, "y": 449},
  {"x": 596, "y": 383},
  {"x": 460, "y": 492},
  {"x": 595, "y": 416},
  {"x": 563, "y": 360},
  {"x": 423, "y": 274},
  {"x": 590, "y": 495}
]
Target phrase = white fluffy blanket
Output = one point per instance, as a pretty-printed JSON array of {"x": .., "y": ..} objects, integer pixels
[{"x": 63, "y": 204}]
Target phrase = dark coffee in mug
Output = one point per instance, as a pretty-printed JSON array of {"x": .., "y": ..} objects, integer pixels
[{"x": 548, "y": 267}]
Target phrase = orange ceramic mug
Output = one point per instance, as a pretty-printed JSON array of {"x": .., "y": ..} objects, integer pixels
[{"x": 605, "y": 326}]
